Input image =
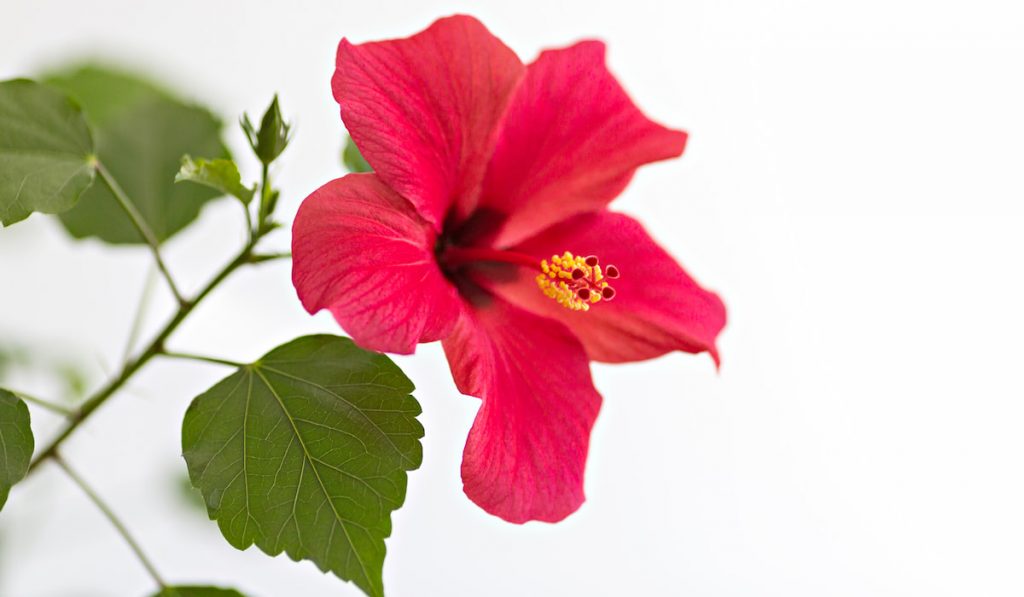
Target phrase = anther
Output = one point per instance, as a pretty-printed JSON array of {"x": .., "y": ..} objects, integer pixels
[{"x": 574, "y": 282}]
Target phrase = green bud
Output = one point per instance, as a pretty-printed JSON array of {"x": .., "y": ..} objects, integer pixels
[{"x": 273, "y": 135}]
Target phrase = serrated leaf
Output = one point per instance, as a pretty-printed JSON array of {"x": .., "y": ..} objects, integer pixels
[
  {"x": 197, "y": 592},
  {"x": 306, "y": 452},
  {"x": 221, "y": 175},
  {"x": 141, "y": 133},
  {"x": 16, "y": 442},
  {"x": 353, "y": 158},
  {"x": 45, "y": 151}
]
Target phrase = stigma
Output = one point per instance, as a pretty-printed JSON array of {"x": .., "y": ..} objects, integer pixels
[{"x": 576, "y": 282}]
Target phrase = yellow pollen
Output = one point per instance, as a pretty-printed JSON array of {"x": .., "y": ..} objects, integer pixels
[{"x": 576, "y": 282}]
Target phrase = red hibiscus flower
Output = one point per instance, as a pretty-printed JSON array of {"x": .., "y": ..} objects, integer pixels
[{"x": 485, "y": 225}]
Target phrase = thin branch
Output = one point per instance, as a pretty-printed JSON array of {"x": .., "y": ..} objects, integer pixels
[
  {"x": 203, "y": 359},
  {"x": 50, "y": 406},
  {"x": 141, "y": 226},
  {"x": 114, "y": 520},
  {"x": 140, "y": 316},
  {"x": 261, "y": 257},
  {"x": 154, "y": 348}
]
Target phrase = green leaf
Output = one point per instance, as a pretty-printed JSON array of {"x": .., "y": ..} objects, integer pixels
[
  {"x": 141, "y": 133},
  {"x": 353, "y": 158},
  {"x": 45, "y": 151},
  {"x": 306, "y": 452},
  {"x": 16, "y": 442},
  {"x": 273, "y": 136},
  {"x": 221, "y": 175},
  {"x": 197, "y": 592}
]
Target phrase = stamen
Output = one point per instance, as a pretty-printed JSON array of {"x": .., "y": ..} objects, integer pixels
[{"x": 576, "y": 283}]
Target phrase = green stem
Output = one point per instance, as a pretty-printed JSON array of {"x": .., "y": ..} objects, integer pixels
[
  {"x": 140, "y": 316},
  {"x": 265, "y": 189},
  {"x": 141, "y": 226},
  {"x": 248, "y": 219},
  {"x": 50, "y": 406},
  {"x": 154, "y": 348},
  {"x": 261, "y": 257},
  {"x": 196, "y": 357},
  {"x": 114, "y": 520}
]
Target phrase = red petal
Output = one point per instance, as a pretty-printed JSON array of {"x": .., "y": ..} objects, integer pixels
[
  {"x": 571, "y": 141},
  {"x": 361, "y": 251},
  {"x": 657, "y": 307},
  {"x": 526, "y": 452},
  {"x": 424, "y": 110}
]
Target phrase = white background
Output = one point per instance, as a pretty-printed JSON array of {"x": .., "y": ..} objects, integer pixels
[{"x": 853, "y": 189}]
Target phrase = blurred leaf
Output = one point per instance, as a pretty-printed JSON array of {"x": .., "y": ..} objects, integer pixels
[
  {"x": 75, "y": 380},
  {"x": 45, "y": 151},
  {"x": 306, "y": 451},
  {"x": 10, "y": 357},
  {"x": 16, "y": 441},
  {"x": 221, "y": 175},
  {"x": 272, "y": 200},
  {"x": 141, "y": 133},
  {"x": 197, "y": 592},
  {"x": 41, "y": 363},
  {"x": 353, "y": 158},
  {"x": 273, "y": 136}
]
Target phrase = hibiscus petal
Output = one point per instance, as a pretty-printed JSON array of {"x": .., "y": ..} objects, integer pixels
[
  {"x": 657, "y": 307},
  {"x": 526, "y": 452},
  {"x": 361, "y": 251},
  {"x": 571, "y": 141},
  {"x": 424, "y": 110}
]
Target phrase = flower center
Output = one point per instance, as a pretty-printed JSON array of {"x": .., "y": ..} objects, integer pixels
[{"x": 575, "y": 282}]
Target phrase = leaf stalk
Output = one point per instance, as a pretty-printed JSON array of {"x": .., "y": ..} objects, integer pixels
[
  {"x": 202, "y": 359},
  {"x": 50, "y": 406},
  {"x": 141, "y": 226},
  {"x": 114, "y": 520}
]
